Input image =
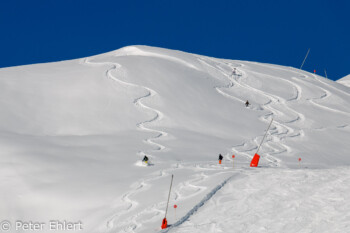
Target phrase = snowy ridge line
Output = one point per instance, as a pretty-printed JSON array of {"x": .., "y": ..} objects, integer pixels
[
  {"x": 134, "y": 51},
  {"x": 198, "y": 206}
]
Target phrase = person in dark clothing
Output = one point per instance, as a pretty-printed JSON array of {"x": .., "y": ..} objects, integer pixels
[
  {"x": 220, "y": 158},
  {"x": 145, "y": 159},
  {"x": 247, "y": 103},
  {"x": 234, "y": 71}
]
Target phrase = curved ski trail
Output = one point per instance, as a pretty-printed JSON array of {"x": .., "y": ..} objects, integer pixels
[
  {"x": 128, "y": 217},
  {"x": 198, "y": 206},
  {"x": 306, "y": 75},
  {"x": 133, "y": 217},
  {"x": 279, "y": 131},
  {"x": 138, "y": 102},
  {"x": 129, "y": 203}
]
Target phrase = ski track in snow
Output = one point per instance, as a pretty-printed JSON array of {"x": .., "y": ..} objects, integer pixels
[
  {"x": 134, "y": 222},
  {"x": 326, "y": 94},
  {"x": 305, "y": 75},
  {"x": 273, "y": 146},
  {"x": 126, "y": 198},
  {"x": 138, "y": 102},
  {"x": 198, "y": 206},
  {"x": 280, "y": 131}
]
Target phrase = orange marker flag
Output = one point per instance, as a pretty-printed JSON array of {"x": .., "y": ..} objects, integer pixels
[{"x": 255, "y": 160}]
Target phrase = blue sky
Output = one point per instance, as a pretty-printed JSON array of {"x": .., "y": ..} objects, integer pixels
[{"x": 278, "y": 32}]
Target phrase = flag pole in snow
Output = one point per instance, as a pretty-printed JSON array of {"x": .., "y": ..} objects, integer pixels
[
  {"x": 165, "y": 222},
  {"x": 175, "y": 206},
  {"x": 304, "y": 59},
  {"x": 256, "y": 158}
]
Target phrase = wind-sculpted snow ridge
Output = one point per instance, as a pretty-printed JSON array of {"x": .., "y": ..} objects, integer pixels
[{"x": 135, "y": 51}]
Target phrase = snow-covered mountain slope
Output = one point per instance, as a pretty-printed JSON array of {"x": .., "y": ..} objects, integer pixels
[
  {"x": 345, "y": 80},
  {"x": 73, "y": 133}
]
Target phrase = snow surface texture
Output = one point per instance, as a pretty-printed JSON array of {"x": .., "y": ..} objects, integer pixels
[
  {"x": 345, "y": 81},
  {"x": 73, "y": 133}
]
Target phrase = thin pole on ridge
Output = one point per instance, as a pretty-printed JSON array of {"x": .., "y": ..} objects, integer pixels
[
  {"x": 325, "y": 72},
  {"x": 264, "y": 136},
  {"x": 305, "y": 59},
  {"x": 171, "y": 184}
]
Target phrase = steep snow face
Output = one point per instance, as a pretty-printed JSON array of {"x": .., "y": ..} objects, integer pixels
[
  {"x": 345, "y": 81},
  {"x": 73, "y": 133}
]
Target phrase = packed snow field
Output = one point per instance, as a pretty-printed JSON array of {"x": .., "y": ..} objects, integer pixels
[{"x": 73, "y": 134}]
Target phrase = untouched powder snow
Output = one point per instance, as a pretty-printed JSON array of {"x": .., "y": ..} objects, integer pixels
[{"x": 73, "y": 134}]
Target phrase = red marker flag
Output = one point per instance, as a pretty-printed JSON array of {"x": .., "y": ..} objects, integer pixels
[
  {"x": 255, "y": 160},
  {"x": 164, "y": 223}
]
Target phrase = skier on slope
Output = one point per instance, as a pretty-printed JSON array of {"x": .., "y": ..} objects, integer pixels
[
  {"x": 220, "y": 158},
  {"x": 234, "y": 71},
  {"x": 145, "y": 159},
  {"x": 247, "y": 103}
]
